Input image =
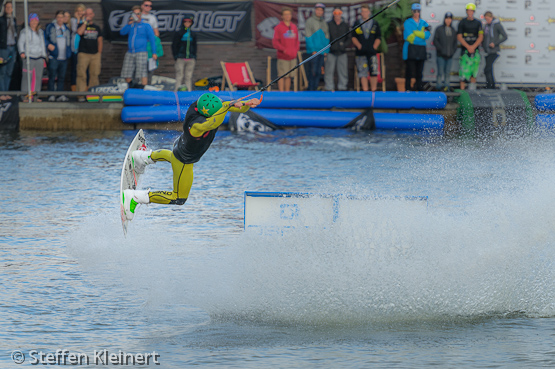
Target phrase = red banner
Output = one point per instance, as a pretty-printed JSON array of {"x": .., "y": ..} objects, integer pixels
[{"x": 267, "y": 15}]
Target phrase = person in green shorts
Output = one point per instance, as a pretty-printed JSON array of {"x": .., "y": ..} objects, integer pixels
[
  {"x": 470, "y": 34},
  {"x": 199, "y": 129}
]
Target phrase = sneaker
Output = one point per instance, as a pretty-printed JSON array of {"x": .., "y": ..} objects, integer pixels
[
  {"x": 140, "y": 160},
  {"x": 52, "y": 98},
  {"x": 62, "y": 98}
]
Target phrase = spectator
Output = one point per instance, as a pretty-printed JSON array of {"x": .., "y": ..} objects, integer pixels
[
  {"x": 89, "y": 53},
  {"x": 286, "y": 42},
  {"x": 67, "y": 19},
  {"x": 470, "y": 35},
  {"x": 494, "y": 35},
  {"x": 337, "y": 57},
  {"x": 367, "y": 38},
  {"x": 136, "y": 57},
  {"x": 317, "y": 37},
  {"x": 148, "y": 17},
  {"x": 75, "y": 23},
  {"x": 416, "y": 32},
  {"x": 445, "y": 42},
  {"x": 58, "y": 44},
  {"x": 31, "y": 45},
  {"x": 8, "y": 46},
  {"x": 184, "y": 49}
]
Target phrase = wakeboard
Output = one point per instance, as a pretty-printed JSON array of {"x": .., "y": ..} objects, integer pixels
[{"x": 130, "y": 179}]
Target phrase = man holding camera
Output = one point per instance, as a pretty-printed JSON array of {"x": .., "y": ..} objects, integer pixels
[{"x": 136, "y": 57}]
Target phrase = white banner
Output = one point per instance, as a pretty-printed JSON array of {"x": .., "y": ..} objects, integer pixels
[{"x": 528, "y": 55}]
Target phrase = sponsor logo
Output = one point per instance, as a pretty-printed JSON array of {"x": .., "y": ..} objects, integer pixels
[
  {"x": 550, "y": 20},
  {"x": 527, "y": 31},
  {"x": 170, "y": 20},
  {"x": 532, "y": 75},
  {"x": 528, "y": 59},
  {"x": 527, "y": 4},
  {"x": 511, "y": 56},
  {"x": 551, "y": 48},
  {"x": 507, "y": 75},
  {"x": 507, "y": 19},
  {"x": 507, "y": 47},
  {"x": 4, "y": 108}
]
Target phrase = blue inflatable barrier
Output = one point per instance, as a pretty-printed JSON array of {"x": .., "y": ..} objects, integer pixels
[
  {"x": 545, "y": 102},
  {"x": 545, "y": 121},
  {"x": 293, "y": 118},
  {"x": 338, "y": 119},
  {"x": 300, "y": 100}
]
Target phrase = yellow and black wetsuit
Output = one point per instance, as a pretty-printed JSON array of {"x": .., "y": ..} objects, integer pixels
[{"x": 198, "y": 134}]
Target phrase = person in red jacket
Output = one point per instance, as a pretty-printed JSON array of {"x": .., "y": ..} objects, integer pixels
[{"x": 286, "y": 42}]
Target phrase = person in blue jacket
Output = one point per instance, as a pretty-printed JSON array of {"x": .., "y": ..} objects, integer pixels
[
  {"x": 136, "y": 57},
  {"x": 416, "y": 32},
  {"x": 317, "y": 36},
  {"x": 58, "y": 43}
]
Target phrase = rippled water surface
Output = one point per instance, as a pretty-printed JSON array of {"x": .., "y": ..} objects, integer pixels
[{"x": 468, "y": 284}]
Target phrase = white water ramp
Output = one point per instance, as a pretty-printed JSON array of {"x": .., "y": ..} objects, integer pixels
[{"x": 270, "y": 212}]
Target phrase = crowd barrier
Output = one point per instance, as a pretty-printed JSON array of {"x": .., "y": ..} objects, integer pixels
[{"x": 300, "y": 100}]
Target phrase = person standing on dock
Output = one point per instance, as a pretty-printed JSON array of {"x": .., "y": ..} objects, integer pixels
[
  {"x": 184, "y": 49},
  {"x": 494, "y": 35},
  {"x": 90, "y": 52},
  {"x": 31, "y": 44},
  {"x": 416, "y": 32},
  {"x": 8, "y": 46},
  {"x": 337, "y": 57},
  {"x": 470, "y": 35},
  {"x": 367, "y": 38},
  {"x": 317, "y": 36},
  {"x": 139, "y": 34},
  {"x": 150, "y": 18},
  {"x": 286, "y": 42},
  {"x": 58, "y": 44},
  {"x": 445, "y": 42}
]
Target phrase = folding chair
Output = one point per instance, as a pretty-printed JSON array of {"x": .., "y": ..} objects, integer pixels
[
  {"x": 303, "y": 81},
  {"x": 238, "y": 75},
  {"x": 381, "y": 73}
]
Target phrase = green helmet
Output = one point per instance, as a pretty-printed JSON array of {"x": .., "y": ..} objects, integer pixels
[{"x": 208, "y": 104}]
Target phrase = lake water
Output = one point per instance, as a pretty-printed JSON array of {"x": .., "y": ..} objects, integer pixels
[{"x": 469, "y": 284}]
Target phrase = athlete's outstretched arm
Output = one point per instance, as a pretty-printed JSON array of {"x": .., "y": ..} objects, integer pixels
[{"x": 198, "y": 129}]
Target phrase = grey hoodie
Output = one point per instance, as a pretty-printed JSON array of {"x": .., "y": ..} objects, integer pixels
[
  {"x": 495, "y": 33},
  {"x": 36, "y": 48}
]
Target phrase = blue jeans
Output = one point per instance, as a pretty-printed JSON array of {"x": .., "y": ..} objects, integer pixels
[
  {"x": 56, "y": 68},
  {"x": 443, "y": 72},
  {"x": 6, "y": 70},
  {"x": 315, "y": 72}
]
